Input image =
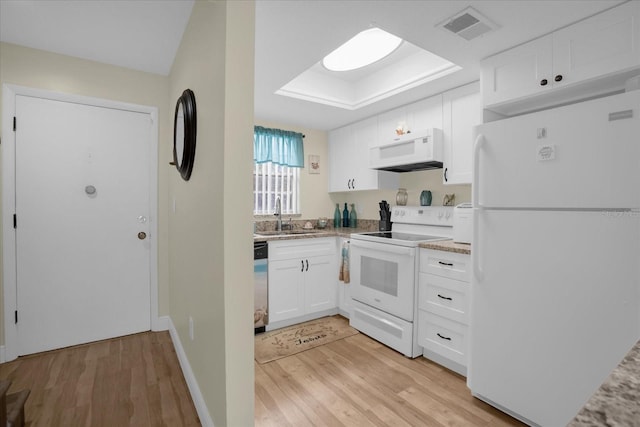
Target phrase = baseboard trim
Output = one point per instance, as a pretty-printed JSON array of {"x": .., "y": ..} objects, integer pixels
[
  {"x": 2, "y": 359},
  {"x": 161, "y": 323},
  {"x": 192, "y": 383}
]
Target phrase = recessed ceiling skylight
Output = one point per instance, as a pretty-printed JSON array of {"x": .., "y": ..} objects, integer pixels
[
  {"x": 404, "y": 67},
  {"x": 363, "y": 49}
]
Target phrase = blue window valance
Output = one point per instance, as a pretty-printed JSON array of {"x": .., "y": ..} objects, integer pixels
[{"x": 278, "y": 146}]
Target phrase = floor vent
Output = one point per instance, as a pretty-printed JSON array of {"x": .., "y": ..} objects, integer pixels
[{"x": 468, "y": 24}]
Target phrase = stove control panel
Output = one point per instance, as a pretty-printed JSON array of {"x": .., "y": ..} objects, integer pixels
[{"x": 423, "y": 215}]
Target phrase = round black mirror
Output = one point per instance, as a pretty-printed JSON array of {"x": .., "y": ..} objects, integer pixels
[{"x": 184, "y": 134}]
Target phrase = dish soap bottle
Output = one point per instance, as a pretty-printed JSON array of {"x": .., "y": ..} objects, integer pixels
[
  {"x": 345, "y": 216},
  {"x": 336, "y": 217},
  {"x": 353, "y": 218}
]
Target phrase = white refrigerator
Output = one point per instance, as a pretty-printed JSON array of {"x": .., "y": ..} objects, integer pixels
[{"x": 556, "y": 256}]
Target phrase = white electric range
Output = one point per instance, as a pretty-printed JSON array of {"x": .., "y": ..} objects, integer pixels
[{"x": 384, "y": 274}]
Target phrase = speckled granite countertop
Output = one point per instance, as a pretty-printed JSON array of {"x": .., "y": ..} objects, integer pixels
[
  {"x": 617, "y": 401},
  {"x": 311, "y": 234},
  {"x": 448, "y": 246}
]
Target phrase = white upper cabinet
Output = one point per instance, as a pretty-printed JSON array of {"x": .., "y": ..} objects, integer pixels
[
  {"x": 604, "y": 44},
  {"x": 425, "y": 114},
  {"x": 349, "y": 159},
  {"x": 341, "y": 147},
  {"x": 414, "y": 117},
  {"x": 517, "y": 73},
  {"x": 593, "y": 56},
  {"x": 462, "y": 110},
  {"x": 388, "y": 122}
]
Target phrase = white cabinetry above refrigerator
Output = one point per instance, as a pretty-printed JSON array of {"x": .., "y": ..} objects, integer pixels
[{"x": 592, "y": 56}]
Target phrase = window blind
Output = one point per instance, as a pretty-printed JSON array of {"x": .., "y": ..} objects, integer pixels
[{"x": 271, "y": 181}]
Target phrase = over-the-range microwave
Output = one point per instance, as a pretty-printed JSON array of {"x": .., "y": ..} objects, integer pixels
[{"x": 409, "y": 152}]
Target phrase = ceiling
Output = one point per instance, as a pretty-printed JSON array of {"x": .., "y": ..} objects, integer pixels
[
  {"x": 291, "y": 36},
  {"x": 142, "y": 35}
]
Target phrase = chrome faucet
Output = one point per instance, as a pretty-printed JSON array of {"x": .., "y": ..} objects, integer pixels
[{"x": 278, "y": 214}]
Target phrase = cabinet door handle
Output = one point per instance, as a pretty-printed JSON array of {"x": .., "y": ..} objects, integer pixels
[
  {"x": 307, "y": 265},
  {"x": 448, "y": 264},
  {"x": 353, "y": 184},
  {"x": 302, "y": 262},
  {"x": 558, "y": 78},
  {"x": 349, "y": 184},
  {"x": 445, "y": 174},
  {"x": 543, "y": 82},
  {"x": 447, "y": 298},
  {"x": 443, "y": 337}
]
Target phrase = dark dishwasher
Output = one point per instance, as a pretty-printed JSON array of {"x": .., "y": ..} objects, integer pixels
[{"x": 261, "y": 286}]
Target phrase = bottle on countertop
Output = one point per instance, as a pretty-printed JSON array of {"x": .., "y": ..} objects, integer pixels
[
  {"x": 353, "y": 218},
  {"x": 345, "y": 216},
  {"x": 336, "y": 217}
]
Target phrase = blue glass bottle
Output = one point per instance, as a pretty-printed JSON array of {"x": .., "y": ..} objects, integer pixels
[
  {"x": 336, "y": 217},
  {"x": 345, "y": 216},
  {"x": 353, "y": 218}
]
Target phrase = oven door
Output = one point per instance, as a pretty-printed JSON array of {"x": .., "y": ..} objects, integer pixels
[{"x": 383, "y": 276}]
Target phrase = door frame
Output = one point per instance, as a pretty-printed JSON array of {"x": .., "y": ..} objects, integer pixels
[{"x": 8, "y": 149}]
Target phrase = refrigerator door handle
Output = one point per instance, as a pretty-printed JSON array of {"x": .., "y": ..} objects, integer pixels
[
  {"x": 477, "y": 211},
  {"x": 475, "y": 257},
  {"x": 475, "y": 187}
]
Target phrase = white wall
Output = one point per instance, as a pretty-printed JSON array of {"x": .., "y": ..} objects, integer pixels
[{"x": 210, "y": 231}]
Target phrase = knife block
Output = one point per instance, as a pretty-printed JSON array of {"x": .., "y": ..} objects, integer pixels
[{"x": 384, "y": 225}]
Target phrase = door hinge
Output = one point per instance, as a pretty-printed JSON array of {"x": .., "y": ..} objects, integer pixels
[
  {"x": 14, "y": 123},
  {"x": 15, "y": 221},
  {"x": 16, "y": 315}
]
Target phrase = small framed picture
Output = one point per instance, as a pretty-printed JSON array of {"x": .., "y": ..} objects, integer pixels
[{"x": 314, "y": 163}]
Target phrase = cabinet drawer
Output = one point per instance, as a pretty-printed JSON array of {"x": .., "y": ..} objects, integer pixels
[
  {"x": 444, "y": 297},
  {"x": 443, "y": 336},
  {"x": 445, "y": 264},
  {"x": 300, "y": 248}
]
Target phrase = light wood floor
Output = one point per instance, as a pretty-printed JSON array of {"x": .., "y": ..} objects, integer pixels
[
  {"x": 134, "y": 380},
  {"x": 357, "y": 381}
]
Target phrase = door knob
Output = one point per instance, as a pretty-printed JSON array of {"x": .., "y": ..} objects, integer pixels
[{"x": 142, "y": 235}]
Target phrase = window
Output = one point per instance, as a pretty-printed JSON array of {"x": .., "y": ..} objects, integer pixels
[
  {"x": 278, "y": 156},
  {"x": 271, "y": 181}
]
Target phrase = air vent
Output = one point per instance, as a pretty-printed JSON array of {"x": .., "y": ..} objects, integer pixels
[{"x": 468, "y": 24}]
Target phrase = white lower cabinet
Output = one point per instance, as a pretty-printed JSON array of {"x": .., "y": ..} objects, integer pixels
[
  {"x": 302, "y": 278},
  {"x": 443, "y": 308}
]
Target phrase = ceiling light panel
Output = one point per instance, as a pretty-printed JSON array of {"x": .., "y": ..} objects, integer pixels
[{"x": 365, "y": 48}]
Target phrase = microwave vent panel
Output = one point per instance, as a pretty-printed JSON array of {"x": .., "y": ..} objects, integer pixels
[{"x": 468, "y": 24}]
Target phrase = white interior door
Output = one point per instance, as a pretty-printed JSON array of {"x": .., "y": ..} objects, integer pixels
[{"x": 82, "y": 197}]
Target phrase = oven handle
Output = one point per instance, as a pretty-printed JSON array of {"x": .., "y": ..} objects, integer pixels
[{"x": 382, "y": 247}]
